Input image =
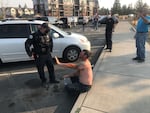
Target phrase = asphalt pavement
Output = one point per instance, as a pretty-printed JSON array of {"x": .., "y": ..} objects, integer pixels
[{"x": 21, "y": 92}]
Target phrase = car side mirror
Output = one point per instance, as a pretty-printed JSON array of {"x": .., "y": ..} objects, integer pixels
[{"x": 55, "y": 35}]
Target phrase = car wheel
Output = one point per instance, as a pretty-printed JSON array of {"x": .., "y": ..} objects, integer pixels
[{"x": 71, "y": 54}]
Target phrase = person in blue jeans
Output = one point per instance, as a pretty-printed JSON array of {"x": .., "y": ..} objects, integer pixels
[
  {"x": 141, "y": 35},
  {"x": 96, "y": 22}
]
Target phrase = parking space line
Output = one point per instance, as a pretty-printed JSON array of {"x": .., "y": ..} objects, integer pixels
[
  {"x": 17, "y": 73},
  {"x": 23, "y": 72},
  {"x": 96, "y": 47},
  {"x": 4, "y": 74}
]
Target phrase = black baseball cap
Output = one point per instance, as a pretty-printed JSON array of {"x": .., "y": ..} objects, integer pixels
[{"x": 45, "y": 25}]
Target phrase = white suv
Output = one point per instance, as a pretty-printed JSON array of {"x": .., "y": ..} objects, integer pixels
[{"x": 14, "y": 33}]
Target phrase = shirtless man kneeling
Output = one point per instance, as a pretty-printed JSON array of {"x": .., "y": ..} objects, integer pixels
[{"x": 82, "y": 78}]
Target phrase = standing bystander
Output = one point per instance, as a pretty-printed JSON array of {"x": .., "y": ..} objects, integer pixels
[
  {"x": 141, "y": 35},
  {"x": 108, "y": 32},
  {"x": 84, "y": 23},
  {"x": 96, "y": 18}
]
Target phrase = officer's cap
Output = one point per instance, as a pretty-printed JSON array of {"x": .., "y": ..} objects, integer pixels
[{"x": 45, "y": 25}]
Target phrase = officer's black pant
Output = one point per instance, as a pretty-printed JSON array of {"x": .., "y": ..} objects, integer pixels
[
  {"x": 47, "y": 60},
  {"x": 108, "y": 36}
]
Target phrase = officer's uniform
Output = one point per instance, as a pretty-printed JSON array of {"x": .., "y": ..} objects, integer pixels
[
  {"x": 42, "y": 46},
  {"x": 108, "y": 33}
]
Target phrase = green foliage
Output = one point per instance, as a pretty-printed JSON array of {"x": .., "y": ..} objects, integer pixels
[
  {"x": 103, "y": 11},
  {"x": 78, "y": 110},
  {"x": 124, "y": 10},
  {"x": 140, "y": 5},
  {"x": 116, "y": 9}
]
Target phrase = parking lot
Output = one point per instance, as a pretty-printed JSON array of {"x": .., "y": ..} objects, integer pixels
[{"x": 20, "y": 86}]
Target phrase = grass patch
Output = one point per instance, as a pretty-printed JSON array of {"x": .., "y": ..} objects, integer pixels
[{"x": 78, "y": 110}]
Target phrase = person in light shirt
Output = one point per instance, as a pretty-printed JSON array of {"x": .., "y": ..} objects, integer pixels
[{"x": 82, "y": 78}]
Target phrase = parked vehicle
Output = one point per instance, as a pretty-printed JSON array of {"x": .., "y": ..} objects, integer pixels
[
  {"x": 67, "y": 22},
  {"x": 74, "y": 20},
  {"x": 13, "y": 34},
  {"x": 102, "y": 19},
  {"x": 83, "y": 18},
  {"x": 53, "y": 20}
]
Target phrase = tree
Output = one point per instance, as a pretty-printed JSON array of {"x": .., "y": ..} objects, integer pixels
[
  {"x": 124, "y": 10},
  {"x": 130, "y": 9},
  {"x": 103, "y": 11},
  {"x": 19, "y": 6},
  {"x": 116, "y": 7},
  {"x": 25, "y": 6},
  {"x": 140, "y": 5}
]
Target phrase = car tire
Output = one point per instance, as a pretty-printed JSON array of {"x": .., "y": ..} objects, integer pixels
[{"x": 71, "y": 54}]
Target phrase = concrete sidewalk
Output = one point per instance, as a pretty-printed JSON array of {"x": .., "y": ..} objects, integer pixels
[{"x": 120, "y": 84}]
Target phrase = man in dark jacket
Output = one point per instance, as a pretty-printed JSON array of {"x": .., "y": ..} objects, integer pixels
[
  {"x": 108, "y": 32},
  {"x": 42, "y": 45}
]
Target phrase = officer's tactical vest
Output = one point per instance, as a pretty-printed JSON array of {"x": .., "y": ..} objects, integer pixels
[{"x": 44, "y": 43}]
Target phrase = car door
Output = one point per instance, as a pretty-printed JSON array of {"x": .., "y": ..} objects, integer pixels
[
  {"x": 12, "y": 39},
  {"x": 59, "y": 44}
]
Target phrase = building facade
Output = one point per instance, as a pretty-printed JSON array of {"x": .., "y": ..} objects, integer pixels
[
  {"x": 62, "y": 8},
  {"x": 13, "y": 12}
]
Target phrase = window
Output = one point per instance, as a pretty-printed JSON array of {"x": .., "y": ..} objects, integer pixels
[
  {"x": 14, "y": 31},
  {"x": 34, "y": 27}
]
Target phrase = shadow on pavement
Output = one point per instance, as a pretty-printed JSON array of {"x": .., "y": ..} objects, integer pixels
[{"x": 20, "y": 93}]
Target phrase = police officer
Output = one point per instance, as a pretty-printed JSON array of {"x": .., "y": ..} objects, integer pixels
[
  {"x": 42, "y": 45},
  {"x": 108, "y": 32}
]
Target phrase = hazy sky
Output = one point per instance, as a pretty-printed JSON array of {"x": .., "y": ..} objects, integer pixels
[
  {"x": 15, "y": 3},
  {"x": 103, "y": 3}
]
